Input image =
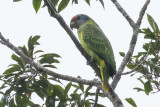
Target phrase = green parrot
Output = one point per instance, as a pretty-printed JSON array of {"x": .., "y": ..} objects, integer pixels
[{"x": 96, "y": 44}]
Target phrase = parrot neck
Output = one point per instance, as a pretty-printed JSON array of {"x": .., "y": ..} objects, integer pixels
[{"x": 90, "y": 21}]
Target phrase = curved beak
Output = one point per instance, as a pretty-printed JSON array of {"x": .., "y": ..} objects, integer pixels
[{"x": 72, "y": 25}]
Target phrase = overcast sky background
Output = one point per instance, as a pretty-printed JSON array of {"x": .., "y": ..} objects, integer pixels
[{"x": 18, "y": 21}]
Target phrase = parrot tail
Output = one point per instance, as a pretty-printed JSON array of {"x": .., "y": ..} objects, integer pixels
[{"x": 104, "y": 70}]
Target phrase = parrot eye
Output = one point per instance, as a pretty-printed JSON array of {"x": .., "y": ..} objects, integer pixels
[{"x": 78, "y": 17}]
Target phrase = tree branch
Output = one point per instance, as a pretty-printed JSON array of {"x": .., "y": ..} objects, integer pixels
[
  {"x": 131, "y": 47},
  {"x": 124, "y": 13},
  {"x": 142, "y": 12},
  {"x": 113, "y": 96},
  {"x": 45, "y": 70},
  {"x": 141, "y": 61}
]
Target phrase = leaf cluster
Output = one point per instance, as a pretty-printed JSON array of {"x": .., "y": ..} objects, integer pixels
[
  {"x": 21, "y": 80},
  {"x": 147, "y": 63},
  {"x": 60, "y": 4}
]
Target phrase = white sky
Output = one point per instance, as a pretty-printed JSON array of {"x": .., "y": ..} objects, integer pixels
[{"x": 18, "y": 21}]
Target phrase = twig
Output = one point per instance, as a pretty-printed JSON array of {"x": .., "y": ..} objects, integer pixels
[
  {"x": 149, "y": 48},
  {"x": 96, "y": 97},
  {"x": 131, "y": 47}
]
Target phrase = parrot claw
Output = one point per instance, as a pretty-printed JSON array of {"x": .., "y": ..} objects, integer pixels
[{"x": 89, "y": 62}]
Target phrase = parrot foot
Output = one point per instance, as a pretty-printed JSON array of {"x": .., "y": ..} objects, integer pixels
[{"x": 89, "y": 62}]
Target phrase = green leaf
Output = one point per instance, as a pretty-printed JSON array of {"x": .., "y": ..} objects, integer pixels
[
  {"x": 147, "y": 87},
  {"x": 81, "y": 85},
  {"x": 32, "y": 42},
  {"x": 8, "y": 91},
  {"x": 122, "y": 54},
  {"x": 156, "y": 83},
  {"x": 11, "y": 103},
  {"x": 35, "y": 105},
  {"x": 100, "y": 105},
  {"x": 19, "y": 100},
  {"x": 148, "y": 34},
  {"x": 24, "y": 50},
  {"x": 141, "y": 80},
  {"x": 87, "y": 90},
  {"x": 150, "y": 20},
  {"x": 16, "y": 0},
  {"x": 12, "y": 69},
  {"x": 131, "y": 66},
  {"x": 38, "y": 51},
  {"x": 87, "y": 103},
  {"x": 54, "y": 2},
  {"x": 1, "y": 93},
  {"x": 43, "y": 82},
  {"x": 75, "y": 96},
  {"x": 1, "y": 104},
  {"x": 138, "y": 89},
  {"x": 36, "y": 5},
  {"x": 38, "y": 91},
  {"x": 19, "y": 60},
  {"x": 140, "y": 54},
  {"x": 51, "y": 55},
  {"x": 50, "y": 101},
  {"x": 101, "y": 1},
  {"x": 153, "y": 24},
  {"x": 67, "y": 88},
  {"x": 63, "y": 4},
  {"x": 102, "y": 95},
  {"x": 88, "y": 2},
  {"x": 75, "y": 1},
  {"x": 50, "y": 66},
  {"x": 59, "y": 91},
  {"x": 31, "y": 104},
  {"x": 49, "y": 58},
  {"x": 62, "y": 104},
  {"x": 131, "y": 101}
]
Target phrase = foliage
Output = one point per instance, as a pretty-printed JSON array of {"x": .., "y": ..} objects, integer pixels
[
  {"x": 61, "y": 4},
  {"x": 131, "y": 101},
  {"x": 147, "y": 63},
  {"x": 21, "y": 80}
]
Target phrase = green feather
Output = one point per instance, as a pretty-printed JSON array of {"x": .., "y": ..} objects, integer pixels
[{"x": 98, "y": 46}]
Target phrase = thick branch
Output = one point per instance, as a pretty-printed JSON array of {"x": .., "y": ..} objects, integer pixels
[{"x": 131, "y": 47}]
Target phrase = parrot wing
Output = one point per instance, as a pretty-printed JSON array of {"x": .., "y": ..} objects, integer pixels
[{"x": 96, "y": 40}]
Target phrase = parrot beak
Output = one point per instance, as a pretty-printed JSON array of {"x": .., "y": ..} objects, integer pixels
[{"x": 72, "y": 25}]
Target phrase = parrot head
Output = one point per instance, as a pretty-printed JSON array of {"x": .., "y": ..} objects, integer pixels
[{"x": 78, "y": 20}]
